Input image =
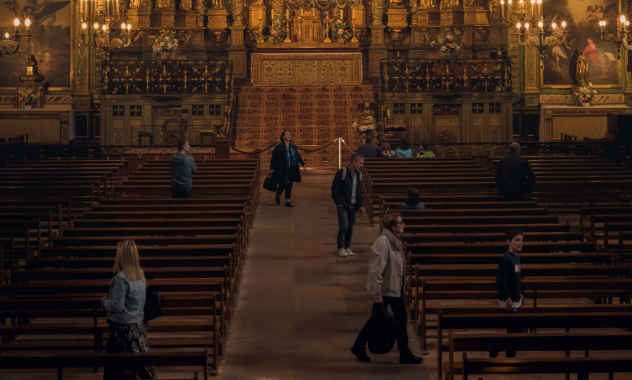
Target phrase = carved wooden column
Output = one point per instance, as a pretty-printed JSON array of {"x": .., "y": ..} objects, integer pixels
[
  {"x": 377, "y": 50},
  {"x": 237, "y": 51}
]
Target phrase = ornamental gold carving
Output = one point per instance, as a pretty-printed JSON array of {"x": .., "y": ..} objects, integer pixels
[{"x": 237, "y": 10}]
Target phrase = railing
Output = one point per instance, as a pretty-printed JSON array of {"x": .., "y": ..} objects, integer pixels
[
  {"x": 445, "y": 75},
  {"x": 19, "y": 140},
  {"x": 170, "y": 77}
]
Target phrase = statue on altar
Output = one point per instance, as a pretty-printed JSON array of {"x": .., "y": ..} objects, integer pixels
[
  {"x": 186, "y": 5},
  {"x": 166, "y": 5},
  {"x": 582, "y": 69}
]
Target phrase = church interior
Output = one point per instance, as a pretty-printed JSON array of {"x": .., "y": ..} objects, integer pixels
[{"x": 96, "y": 97}]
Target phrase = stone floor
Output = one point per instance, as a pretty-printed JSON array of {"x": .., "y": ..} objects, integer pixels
[{"x": 300, "y": 306}]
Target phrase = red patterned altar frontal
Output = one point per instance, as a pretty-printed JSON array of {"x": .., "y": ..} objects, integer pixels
[{"x": 315, "y": 69}]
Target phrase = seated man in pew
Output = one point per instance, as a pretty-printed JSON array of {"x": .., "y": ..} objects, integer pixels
[
  {"x": 125, "y": 305},
  {"x": 508, "y": 281},
  {"x": 514, "y": 176},
  {"x": 412, "y": 203},
  {"x": 182, "y": 168}
]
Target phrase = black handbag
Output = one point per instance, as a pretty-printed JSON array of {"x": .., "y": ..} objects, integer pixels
[
  {"x": 383, "y": 332},
  {"x": 153, "y": 303},
  {"x": 270, "y": 184}
]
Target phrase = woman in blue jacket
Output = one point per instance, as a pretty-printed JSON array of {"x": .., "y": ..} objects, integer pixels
[
  {"x": 404, "y": 151},
  {"x": 284, "y": 167},
  {"x": 125, "y": 305}
]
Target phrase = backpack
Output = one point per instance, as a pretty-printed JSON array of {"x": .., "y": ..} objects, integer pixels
[
  {"x": 153, "y": 303},
  {"x": 383, "y": 332}
]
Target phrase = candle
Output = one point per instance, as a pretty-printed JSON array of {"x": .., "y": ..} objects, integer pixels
[
  {"x": 539, "y": 7},
  {"x": 388, "y": 112},
  {"x": 260, "y": 18},
  {"x": 287, "y": 13},
  {"x": 27, "y": 22},
  {"x": 16, "y": 22},
  {"x": 502, "y": 9},
  {"x": 6, "y": 35},
  {"x": 532, "y": 6}
]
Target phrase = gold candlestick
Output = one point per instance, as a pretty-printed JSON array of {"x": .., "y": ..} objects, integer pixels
[
  {"x": 288, "y": 35},
  {"x": 260, "y": 39},
  {"x": 327, "y": 39},
  {"x": 354, "y": 39}
]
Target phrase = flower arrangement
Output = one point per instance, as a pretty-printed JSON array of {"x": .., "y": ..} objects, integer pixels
[
  {"x": 365, "y": 125},
  {"x": 164, "y": 44},
  {"x": 446, "y": 41},
  {"x": 27, "y": 97},
  {"x": 340, "y": 29},
  {"x": 278, "y": 30},
  {"x": 585, "y": 93}
]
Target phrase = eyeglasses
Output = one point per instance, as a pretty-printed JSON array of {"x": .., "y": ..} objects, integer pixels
[{"x": 400, "y": 223}]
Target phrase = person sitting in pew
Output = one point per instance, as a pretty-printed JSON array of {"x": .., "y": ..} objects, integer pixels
[
  {"x": 508, "y": 281},
  {"x": 514, "y": 176},
  {"x": 412, "y": 203},
  {"x": 182, "y": 169},
  {"x": 403, "y": 150},
  {"x": 386, "y": 151},
  {"x": 368, "y": 149},
  {"x": 386, "y": 281},
  {"x": 425, "y": 152},
  {"x": 125, "y": 304}
]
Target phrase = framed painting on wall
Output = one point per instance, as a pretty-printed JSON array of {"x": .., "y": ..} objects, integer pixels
[
  {"x": 50, "y": 43},
  {"x": 582, "y": 18}
]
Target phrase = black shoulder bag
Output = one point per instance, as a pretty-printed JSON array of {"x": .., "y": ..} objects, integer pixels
[{"x": 153, "y": 303}]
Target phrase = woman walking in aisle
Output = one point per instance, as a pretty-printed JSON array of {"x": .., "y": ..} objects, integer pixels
[
  {"x": 125, "y": 304},
  {"x": 284, "y": 167}
]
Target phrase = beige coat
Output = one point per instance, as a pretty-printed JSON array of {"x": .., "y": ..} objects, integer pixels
[{"x": 387, "y": 268}]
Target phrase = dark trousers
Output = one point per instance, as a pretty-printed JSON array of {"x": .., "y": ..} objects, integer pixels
[
  {"x": 398, "y": 306},
  {"x": 346, "y": 221},
  {"x": 512, "y": 329},
  {"x": 287, "y": 187},
  {"x": 181, "y": 192}
]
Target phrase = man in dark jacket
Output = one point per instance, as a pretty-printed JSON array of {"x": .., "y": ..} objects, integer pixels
[
  {"x": 182, "y": 168},
  {"x": 514, "y": 176},
  {"x": 368, "y": 150},
  {"x": 347, "y": 193},
  {"x": 508, "y": 281}
]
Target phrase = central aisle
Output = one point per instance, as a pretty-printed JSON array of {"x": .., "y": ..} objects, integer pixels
[{"x": 300, "y": 307}]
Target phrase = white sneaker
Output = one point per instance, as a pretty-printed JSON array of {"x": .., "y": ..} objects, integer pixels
[
  {"x": 342, "y": 252},
  {"x": 350, "y": 252}
]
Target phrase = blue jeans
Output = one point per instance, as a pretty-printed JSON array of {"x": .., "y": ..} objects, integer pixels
[{"x": 346, "y": 220}]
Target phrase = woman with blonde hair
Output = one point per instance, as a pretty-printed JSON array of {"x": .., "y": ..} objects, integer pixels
[{"x": 125, "y": 305}]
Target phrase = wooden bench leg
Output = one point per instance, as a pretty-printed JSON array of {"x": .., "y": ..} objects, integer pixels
[{"x": 60, "y": 373}]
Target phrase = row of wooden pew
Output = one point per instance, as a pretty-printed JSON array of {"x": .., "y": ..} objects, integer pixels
[
  {"x": 193, "y": 250},
  {"x": 454, "y": 246}
]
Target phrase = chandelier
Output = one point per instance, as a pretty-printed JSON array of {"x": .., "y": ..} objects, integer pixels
[
  {"x": 523, "y": 25},
  {"x": 8, "y": 46},
  {"x": 104, "y": 17},
  {"x": 622, "y": 34}
]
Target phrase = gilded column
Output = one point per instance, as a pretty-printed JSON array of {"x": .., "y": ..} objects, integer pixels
[
  {"x": 237, "y": 51},
  {"x": 377, "y": 50}
]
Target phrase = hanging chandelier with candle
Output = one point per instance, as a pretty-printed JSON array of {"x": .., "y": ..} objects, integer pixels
[
  {"x": 11, "y": 46},
  {"x": 621, "y": 38},
  {"x": 524, "y": 25},
  {"x": 101, "y": 19}
]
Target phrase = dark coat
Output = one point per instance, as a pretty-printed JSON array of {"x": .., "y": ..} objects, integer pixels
[
  {"x": 368, "y": 150},
  {"x": 278, "y": 163},
  {"x": 514, "y": 176},
  {"x": 341, "y": 190}
]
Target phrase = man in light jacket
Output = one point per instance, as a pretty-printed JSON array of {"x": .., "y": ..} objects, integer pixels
[{"x": 386, "y": 280}]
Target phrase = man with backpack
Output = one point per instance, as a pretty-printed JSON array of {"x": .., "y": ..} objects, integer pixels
[{"x": 347, "y": 193}]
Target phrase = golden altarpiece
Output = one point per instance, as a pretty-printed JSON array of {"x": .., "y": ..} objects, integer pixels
[{"x": 249, "y": 69}]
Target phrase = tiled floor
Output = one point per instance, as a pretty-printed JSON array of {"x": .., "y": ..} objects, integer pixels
[{"x": 300, "y": 306}]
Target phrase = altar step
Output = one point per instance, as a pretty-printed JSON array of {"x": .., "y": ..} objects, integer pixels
[{"x": 314, "y": 115}]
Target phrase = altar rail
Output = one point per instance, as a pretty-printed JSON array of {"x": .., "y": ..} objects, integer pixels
[
  {"x": 169, "y": 77},
  {"x": 445, "y": 75}
]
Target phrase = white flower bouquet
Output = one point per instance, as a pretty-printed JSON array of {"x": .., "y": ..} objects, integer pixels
[
  {"x": 446, "y": 41},
  {"x": 164, "y": 43},
  {"x": 364, "y": 126},
  {"x": 585, "y": 93}
]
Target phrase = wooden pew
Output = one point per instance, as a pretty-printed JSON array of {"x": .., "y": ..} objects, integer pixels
[
  {"x": 584, "y": 341},
  {"x": 500, "y": 320}
]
